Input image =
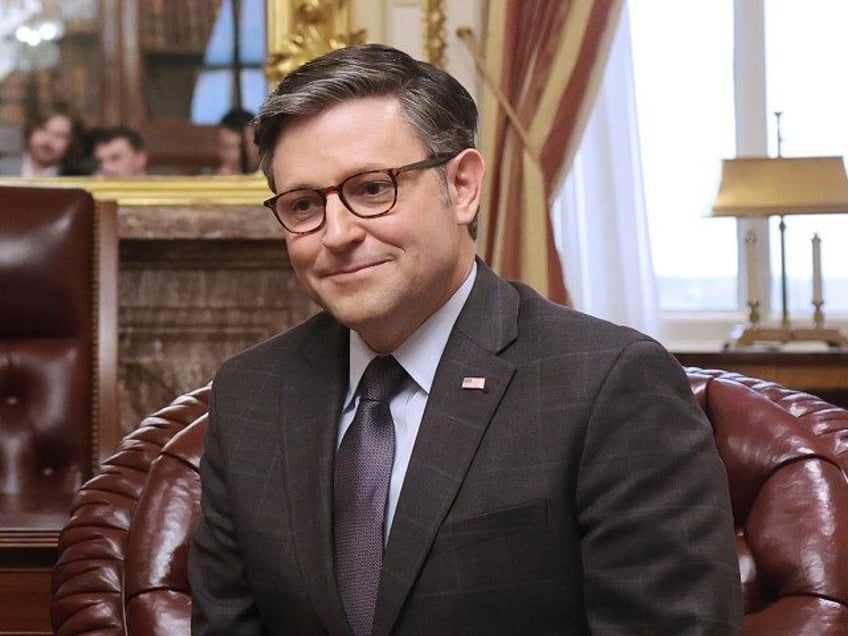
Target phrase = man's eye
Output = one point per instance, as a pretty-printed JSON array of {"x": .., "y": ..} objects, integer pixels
[
  {"x": 372, "y": 187},
  {"x": 376, "y": 187},
  {"x": 302, "y": 206}
]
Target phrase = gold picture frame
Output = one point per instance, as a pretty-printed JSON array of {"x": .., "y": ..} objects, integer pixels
[{"x": 156, "y": 190}]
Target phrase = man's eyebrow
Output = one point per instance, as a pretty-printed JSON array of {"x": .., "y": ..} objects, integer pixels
[{"x": 304, "y": 185}]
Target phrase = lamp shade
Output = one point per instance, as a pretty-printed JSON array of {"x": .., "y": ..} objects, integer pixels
[{"x": 762, "y": 186}]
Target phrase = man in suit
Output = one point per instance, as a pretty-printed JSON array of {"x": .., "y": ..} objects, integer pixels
[
  {"x": 54, "y": 139},
  {"x": 119, "y": 152},
  {"x": 549, "y": 473}
]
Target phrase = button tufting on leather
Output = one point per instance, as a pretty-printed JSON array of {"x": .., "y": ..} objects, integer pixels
[{"x": 11, "y": 400}]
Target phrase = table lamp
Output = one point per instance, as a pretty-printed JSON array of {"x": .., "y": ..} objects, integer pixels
[{"x": 757, "y": 187}]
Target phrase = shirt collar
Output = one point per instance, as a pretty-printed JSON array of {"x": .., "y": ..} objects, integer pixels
[
  {"x": 28, "y": 168},
  {"x": 419, "y": 355}
]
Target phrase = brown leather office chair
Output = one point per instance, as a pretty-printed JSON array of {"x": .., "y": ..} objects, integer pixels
[
  {"x": 122, "y": 565},
  {"x": 58, "y": 363}
]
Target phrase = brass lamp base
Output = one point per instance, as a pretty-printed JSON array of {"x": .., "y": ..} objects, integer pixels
[{"x": 753, "y": 334}]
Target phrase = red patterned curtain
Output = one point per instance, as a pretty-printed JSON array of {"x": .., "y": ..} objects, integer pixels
[{"x": 546, "y": 58}]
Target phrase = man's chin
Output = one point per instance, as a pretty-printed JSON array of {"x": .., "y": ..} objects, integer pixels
[
  {"x": 42, "y": 160},
  {"x": 356, "y": 312},
  {"x": 351, "y": 315}
]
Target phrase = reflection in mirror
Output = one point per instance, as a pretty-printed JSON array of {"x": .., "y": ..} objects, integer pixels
[
  {"x": 202, "y": 61},
  {"x": 191, "y": 53},
  {"x": 48, "y": 52},
  {"x": 236, "y": 48},
  {"x": 162, "y": 67},
  {"x": 174, "y": 37},
  {"x": 35, "y": 35},
  {"x": 50, "y": 61}
]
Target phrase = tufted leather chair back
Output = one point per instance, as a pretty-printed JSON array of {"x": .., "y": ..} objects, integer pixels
[
  {"x": 123, "y": 556},
  {"x": 50, "y": 362},
  {"x": 122, "y": 565},
  {"x": 786, "y": 455}
]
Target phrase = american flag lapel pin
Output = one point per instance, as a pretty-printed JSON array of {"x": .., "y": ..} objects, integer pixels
[{"x": 475, "y": 384}]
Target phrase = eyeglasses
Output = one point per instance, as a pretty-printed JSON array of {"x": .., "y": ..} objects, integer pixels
[{"x": 365, "y": 194}]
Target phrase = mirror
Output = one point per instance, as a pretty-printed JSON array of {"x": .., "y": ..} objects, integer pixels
[{"x": 165, "y": 69}]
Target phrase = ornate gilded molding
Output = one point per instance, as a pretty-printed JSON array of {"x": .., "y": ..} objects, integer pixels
[
  {"x": 434, "y": 32},
  {"x": 300, "y": 30},
  {"x": 156, "y": 190}
]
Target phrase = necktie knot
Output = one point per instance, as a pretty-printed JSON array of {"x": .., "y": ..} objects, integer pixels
[{"x": 382, "y": 379}]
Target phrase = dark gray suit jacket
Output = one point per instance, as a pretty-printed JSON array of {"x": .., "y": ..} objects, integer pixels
[{"x": 579, "y": 492}]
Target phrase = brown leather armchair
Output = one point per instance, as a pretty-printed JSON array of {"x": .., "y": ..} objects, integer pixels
[
  {"x": 58, "y": 362},
  {"x": 122, "y": 565}
]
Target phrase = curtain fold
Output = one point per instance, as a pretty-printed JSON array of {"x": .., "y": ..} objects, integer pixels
[
  {"x": 599, "y": 215},
  {"x": 548, "y": 56}
]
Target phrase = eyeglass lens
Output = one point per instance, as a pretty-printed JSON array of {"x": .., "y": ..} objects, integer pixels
[{"x": 367, "y": 194}]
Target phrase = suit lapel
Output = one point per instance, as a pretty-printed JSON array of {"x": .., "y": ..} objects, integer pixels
[
  {"x": 311, "y": 404},
  {"x": 453, "y": 424}
]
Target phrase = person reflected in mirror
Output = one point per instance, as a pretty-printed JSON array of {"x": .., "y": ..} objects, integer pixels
[
  {"x": 237, "y": 154},
  {"x": 54, "y": 144},
  {"x": 119, "y": 152}
]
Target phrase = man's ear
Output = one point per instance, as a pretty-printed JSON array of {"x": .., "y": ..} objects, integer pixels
[{"x": 465, "y": 183}]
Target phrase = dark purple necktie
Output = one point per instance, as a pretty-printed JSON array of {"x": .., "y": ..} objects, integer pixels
[{"x": 360, "y": 490}]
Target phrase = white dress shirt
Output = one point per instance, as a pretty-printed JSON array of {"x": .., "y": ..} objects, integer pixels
[
  {"x": 419, "y": 355},
  {"x": 28, "y": 169}
]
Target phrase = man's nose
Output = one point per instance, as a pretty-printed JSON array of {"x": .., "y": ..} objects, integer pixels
[{"x": 341, "y": 226}]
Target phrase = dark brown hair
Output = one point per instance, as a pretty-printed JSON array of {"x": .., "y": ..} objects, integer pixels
[{"x": 74, "y": 160}]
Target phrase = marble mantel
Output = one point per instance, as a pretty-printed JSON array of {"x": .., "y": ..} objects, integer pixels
[{"x": 197, "y": 284}]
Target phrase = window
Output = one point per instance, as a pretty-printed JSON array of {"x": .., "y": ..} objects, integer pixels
[
  {"x": 216, "y": 79},
  {"x": 683, "y": 79},
  {"x": 686, "y": 104}
]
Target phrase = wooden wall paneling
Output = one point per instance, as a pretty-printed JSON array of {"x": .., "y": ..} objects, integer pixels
[
  {"x": 132, "y": 96},
  {"x": 25, "y": 598},
  {"x": 112, "y": 63},
  {"x": 108, "y": 419},
  {"x": 180, "y": 147}
]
